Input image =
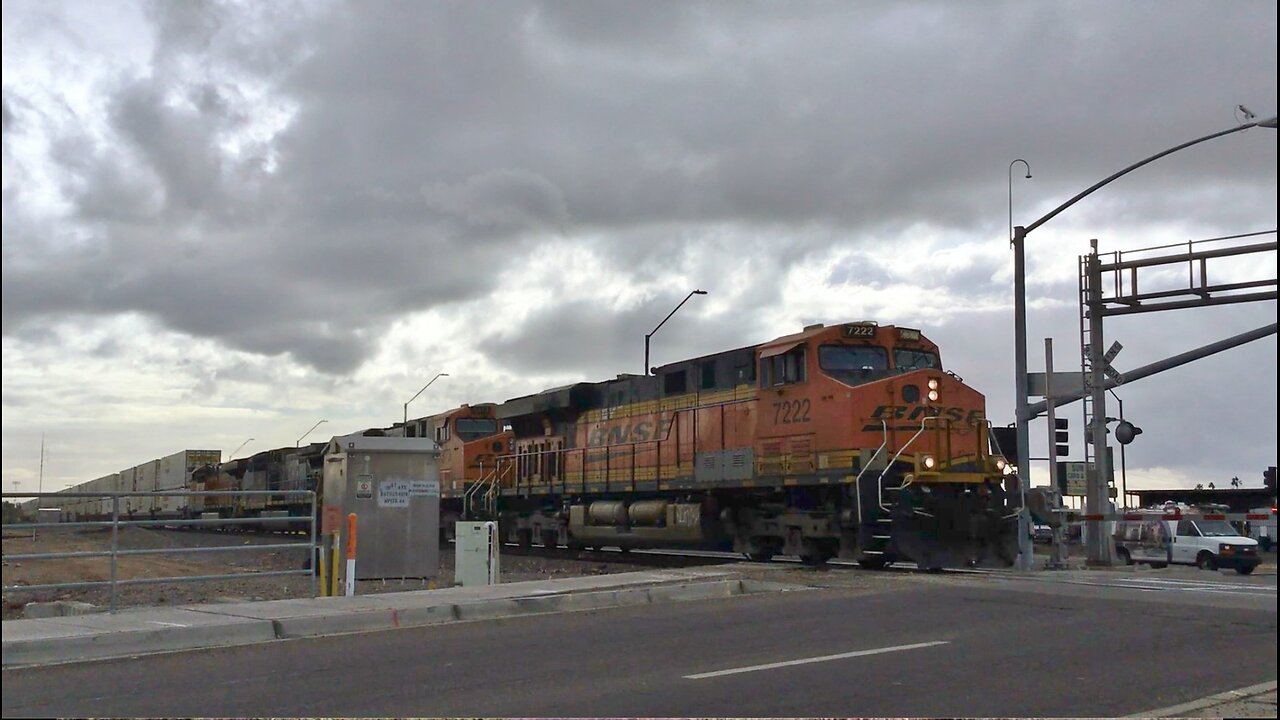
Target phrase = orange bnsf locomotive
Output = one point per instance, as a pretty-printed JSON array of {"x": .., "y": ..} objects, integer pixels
[{"x": 846, "y": 441}]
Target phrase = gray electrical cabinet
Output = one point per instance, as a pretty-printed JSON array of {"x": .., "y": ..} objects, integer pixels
[{"x": 392, "y": 484}]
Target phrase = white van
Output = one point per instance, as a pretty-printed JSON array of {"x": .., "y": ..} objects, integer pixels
[{"x": 1207, "y": 544}]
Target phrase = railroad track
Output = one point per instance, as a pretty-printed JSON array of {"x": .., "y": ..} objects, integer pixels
[{"x": 643, "y": 558}]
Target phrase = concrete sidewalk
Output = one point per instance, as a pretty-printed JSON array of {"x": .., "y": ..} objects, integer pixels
[
  {"x": 141, "y": 631},
  {"x": 1256, "y": 701}
]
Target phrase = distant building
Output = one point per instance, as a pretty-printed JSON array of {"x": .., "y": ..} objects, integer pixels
[{"x": 1238, "y": 499}]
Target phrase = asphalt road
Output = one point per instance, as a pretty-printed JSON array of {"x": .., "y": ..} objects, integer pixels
[{"x": 907, "y": 645}]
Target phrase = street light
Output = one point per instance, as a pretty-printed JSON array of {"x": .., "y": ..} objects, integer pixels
[
  {"x": 1099, "y": 551},
  {"x": 246, "y": 442},
  {"x": 415, "y": 395},
  {"x": 1015, "y": 162},
  {"x": 297, "y": 444},
  {"x": 664, "y": 321},
  {"x": 1025, "y": 549}
]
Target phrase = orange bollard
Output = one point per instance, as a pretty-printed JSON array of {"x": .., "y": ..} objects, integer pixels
[{"x": 351, "y": 555}]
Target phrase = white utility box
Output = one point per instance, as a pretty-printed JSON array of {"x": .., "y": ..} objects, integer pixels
[{"x": 476, "y": 553}]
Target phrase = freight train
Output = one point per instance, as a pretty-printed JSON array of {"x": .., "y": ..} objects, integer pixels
[{"x": 848, "y": 441}]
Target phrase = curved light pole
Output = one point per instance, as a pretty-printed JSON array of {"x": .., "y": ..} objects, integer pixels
[
  {"x": 313, "y": 427},
  {"x": 664, "y": 321},
  {"x": 1099, "y": 552},
  {"x": 1015, "y": 162},
  {"x": 246, "y": 442},
  {"x": 1025, "y": 549},
  {"x": 415, "y": 395}
]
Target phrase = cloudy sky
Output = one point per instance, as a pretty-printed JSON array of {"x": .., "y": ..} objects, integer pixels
[{"x": 231, "y": 220}]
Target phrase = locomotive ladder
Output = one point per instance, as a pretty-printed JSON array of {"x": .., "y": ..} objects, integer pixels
[{"x": 881, "y": 533}]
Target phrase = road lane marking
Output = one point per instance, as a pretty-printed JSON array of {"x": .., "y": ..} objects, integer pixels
[
  {"x": 1175, "y": 581},
  {"x": 1171, "y": 585},
  {"x": 157, "y": 622},
  {"x": 806, "y": 661},
  {"x": 1152, "y": 586}
]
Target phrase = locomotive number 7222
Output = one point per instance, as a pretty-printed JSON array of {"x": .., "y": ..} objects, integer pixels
[{"x": 789, "y": 411}]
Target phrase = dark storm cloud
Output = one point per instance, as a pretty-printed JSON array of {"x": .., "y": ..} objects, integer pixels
[
  {"x": 598, "y": 345},
  {"x": 429, "y": 146}
]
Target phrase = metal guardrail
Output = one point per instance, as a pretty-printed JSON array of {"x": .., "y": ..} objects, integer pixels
[{"x": 115, "y": 552}]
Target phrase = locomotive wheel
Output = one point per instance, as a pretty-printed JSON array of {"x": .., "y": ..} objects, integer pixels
[
  {"x": 525, "y": 538},
  {"x": 550, "y": 539},
  {"x": 873, "y": 563},
  {"x": 761, "y": 556}
]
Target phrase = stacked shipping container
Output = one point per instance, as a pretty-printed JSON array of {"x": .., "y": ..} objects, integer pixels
[{"x": 175, "y": 474}]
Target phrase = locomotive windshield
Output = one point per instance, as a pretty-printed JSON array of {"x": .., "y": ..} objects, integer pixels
[
  {"x": 853, "y": 364},
  {"x": 472, "y": 428},
  {"x": 907, "y": 360}
]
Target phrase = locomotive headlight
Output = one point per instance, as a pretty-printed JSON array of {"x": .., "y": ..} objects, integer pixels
[
  {"x": 933, "y": 384},
  {"x": 928, "y": 462},
  {"x": 933, "y": 396},
  {"x": 1001, "y": 464}
]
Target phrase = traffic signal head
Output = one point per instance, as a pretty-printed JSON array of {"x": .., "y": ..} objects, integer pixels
[
  {"x": 1127, "y": 431},
  {"x": 1269, "y": 477},
  {"x": 1061, "y": 438}
]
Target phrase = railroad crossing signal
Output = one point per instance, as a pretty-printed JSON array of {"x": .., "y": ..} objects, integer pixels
[
  {"x": 1112, "y": 352},
  {"x": 1107, "y": 357},
  {"x": 1113, "y": 374},
  {"x": 1106, "y": 368},
  {"x": 1127, "y": 431}
]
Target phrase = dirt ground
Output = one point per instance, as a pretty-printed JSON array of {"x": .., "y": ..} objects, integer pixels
[{"x": 514, "y": 568}]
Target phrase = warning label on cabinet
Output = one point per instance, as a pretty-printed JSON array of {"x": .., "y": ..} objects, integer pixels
[
  {"x": 428, "y": 488},
  {"x": 364, "y": 486},
  {"x": 393, "y": 493}
]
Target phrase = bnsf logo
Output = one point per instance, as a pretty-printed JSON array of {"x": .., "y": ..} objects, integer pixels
[
  {"x": 628, "y": 433},
  {"x": 909, "y": 413}
]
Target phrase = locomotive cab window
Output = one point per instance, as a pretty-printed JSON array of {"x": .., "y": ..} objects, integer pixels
[
  {"x": 784, "y": 368},
  {"x": 472, "y": 428},
  {"x": 906, "y": 360},
  {"x": 442, "y": 433},
  {"x": 853, "y": 364}
]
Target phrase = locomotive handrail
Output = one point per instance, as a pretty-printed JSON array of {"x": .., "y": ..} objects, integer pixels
[
  {"x": 880, "y": 480},
  {"x": 857, "y": 482},
  {"x": 991, "y": 438}
]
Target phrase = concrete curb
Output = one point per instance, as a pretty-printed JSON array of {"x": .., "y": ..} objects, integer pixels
[
  {"x": 88, "y": 643},
  {"x": 98, "y": 637},
  {"x": 1224, "y": 698}
]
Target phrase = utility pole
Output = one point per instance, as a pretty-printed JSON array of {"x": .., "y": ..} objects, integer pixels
[
  {"x": 40, "y": 486},
  {"x": 1100, "y": 549}
]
